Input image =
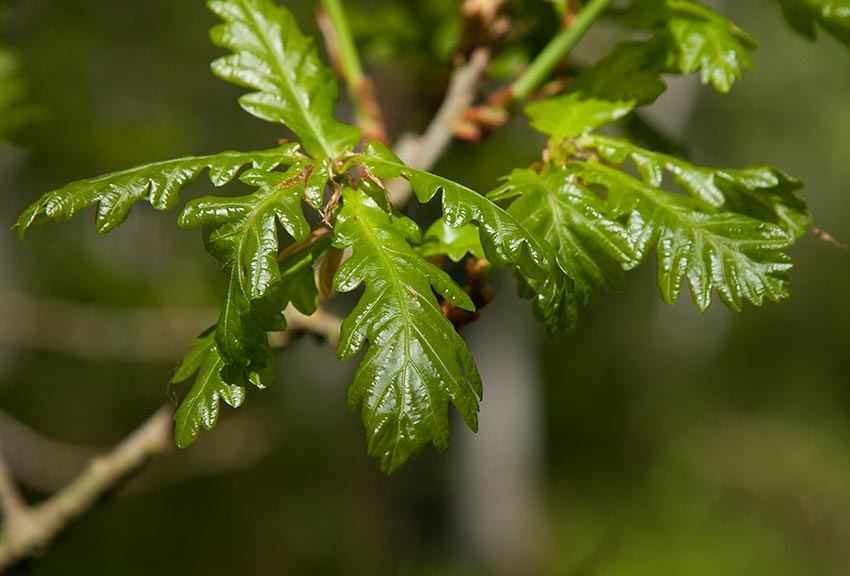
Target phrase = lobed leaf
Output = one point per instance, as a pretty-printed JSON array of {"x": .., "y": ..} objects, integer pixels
[
  {"x": 689, "y": 37},
  {"x": 293, "y": 87},
  {"x": 442, "y": 240},
  {"x": 158, "y": 183},
  {"x": 760, "y": 192},
  {"x": 201, "y": 405},
  {"x": 737, "y": 256},
  {"x": 506, "y": 242},
  {"x": 416, "y": 363},
  {"x": 241, "y": 233},
  {"x": 708, "y": 43},
  {"x": 590, "y": 247}
]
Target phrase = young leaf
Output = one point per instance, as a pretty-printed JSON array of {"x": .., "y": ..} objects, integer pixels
[
  {"x": 506, "y": 243},
  {"x": 739, "y": 257},
  {"x": 443, "y": 240},
  {"x": 631, "y": 73},
  {"x": 200, "y": 407},
  {"x": 416, "y": 363},
  {"x": 689, "y": 37},
  {"x": 761, "y": 192},
  {"x": 832, "y": 15},
  {"x": 241, "y": 233},
  {"x": 293, "y": 87},
  {"x": 591, "y": 248},
  {"x": 158, "y": 183},
  {"x": 569, "y": 116},
  {"x": 709, "y": 43}
]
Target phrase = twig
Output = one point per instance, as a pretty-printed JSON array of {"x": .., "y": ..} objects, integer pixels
[
  {"x": 545, "y": 62},
  {"x": 423, "y": 152},
  {"x": 12, "y": 504},
  {"x": 33, "y": 529},
  {"x": 342, "y": 50}
]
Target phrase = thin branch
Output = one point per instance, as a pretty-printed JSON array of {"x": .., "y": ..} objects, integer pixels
[
  {"x": 542, "y": 66},
  {"x": 342, "y": 50},
  {"x": 423, "y": 152},
  {"x": 35, "y": 528},
  {"x": 12, "y": 503}
]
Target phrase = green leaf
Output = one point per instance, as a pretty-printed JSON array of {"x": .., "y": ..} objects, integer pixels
[
  {"x": 571, "y": 115},
  {"x": 689, "y": 37},
  {"x": 200, "y": 407},
  {"x": 272, "y": 56},
  {"x": 443, "y": 240},
  {"x": 590, "y": 247},
  {"x": 761, "y": 192},
  {"x": 832, "y": 15},
  {"x": 631, "y": 73},
  {"x": 506, "y": 243},
  {"x": 241, "y": 233},
  {"x": 158, "y": 183},
  {"x": 711, "y": 44},
  {"x": 416, "y": 363},
  {"x": 739, "y": 257}
]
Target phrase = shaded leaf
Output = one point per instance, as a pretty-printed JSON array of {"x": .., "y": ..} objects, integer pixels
[
  {"x": 200, "y": 407},
  {"x": 832, "y": 15},
  {"x": 443, "y": 240},
  {"x": 241, "y": 233},
  {"x": 416, "y": 363},
  {"x": 273, "y": 57}
]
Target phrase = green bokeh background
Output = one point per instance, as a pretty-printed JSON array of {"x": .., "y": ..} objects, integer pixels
[{"x": 672, "y": 443}]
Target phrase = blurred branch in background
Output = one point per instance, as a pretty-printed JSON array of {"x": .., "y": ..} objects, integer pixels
[
  {"x": 28, "y": 531},
  {"x": 130, "y": 335},
  {"x": 90, "y": 332}
]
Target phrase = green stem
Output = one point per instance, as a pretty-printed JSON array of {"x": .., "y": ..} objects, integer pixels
[
  {"x": 348, "y": 57},
  {"x": 545, "y": 62},
  {"x": 344, "y": 51}
]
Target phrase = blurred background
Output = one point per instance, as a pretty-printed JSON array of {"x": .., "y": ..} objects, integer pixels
[{"x": 652, "y": 440}]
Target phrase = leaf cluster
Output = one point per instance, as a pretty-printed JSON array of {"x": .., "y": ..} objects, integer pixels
[{"x": 567, "y": 227}]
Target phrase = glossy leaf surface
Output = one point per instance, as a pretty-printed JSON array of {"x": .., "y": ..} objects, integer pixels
[
  {"x": 506, "y": 242},
  {"x": 456, "y": 243},
  {"x": 158, "y": 183},
  {"x": 591, "y": 248},
  {"x": 740, "y": 258},
  {"x": 761, "y": 192},
  {"x": 293, "y": 86},
  {"x": 201, "y": 405},
  {"x": 241, "y": 233},
  {"x": 416, "y": 363}
]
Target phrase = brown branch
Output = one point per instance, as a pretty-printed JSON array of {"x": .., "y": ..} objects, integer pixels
[
  {"x": 370, "y": 117},
  {"x": 32, "y": 529},
  {"x": 12, "y": 503},
  {"x": 423, "y": 152}
]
